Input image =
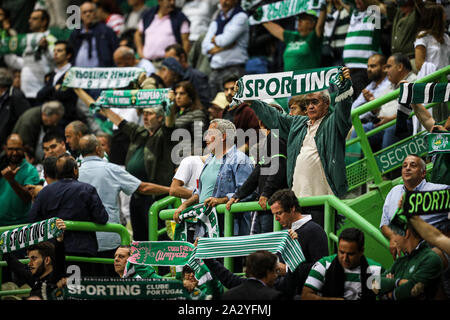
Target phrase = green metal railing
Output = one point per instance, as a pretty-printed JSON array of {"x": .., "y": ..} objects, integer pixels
[
  {"x": 75, "y": 226},
  {"x": 331, "y": 204},
  {"x": 367, "y": 169}
]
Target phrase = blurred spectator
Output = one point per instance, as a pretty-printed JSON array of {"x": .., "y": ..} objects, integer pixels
[
  {"x": 405, "y": 16},
  {"x": 70, "y": 199},
  {"x": 94, "y": 43},
  {"x": 34, "y": 123},
  {"x": 12, "y": 104},
  {"x": 379, "y": 82},
  {"x": 303, "y": 47},
  {"x": 57, "y": 11},
  {"x": 125, "y": 57},
  {"x": 138, "y": 8},
  {"x": 194, "y": 76},
  {"x": 5, "y": 24},
  {"x": 335, "y": 31},
  {"x": 148, "y": 159},
  {"x": 297, "y": 105},
  {"x": 362, "y": 24},
  {"x": 226, "y": 42},
  {"x": 109, "y": 13},
  {"x": 16, "y": 173},
  {"x": 19, "y": 11},
  {"x": 199, "y": 13},
  {"x": 216, "y": 107},
  {"x": 73, "y": 132},
  {"x": 36, "y": 60},
  {"x": 53, "y": 90},
  {"x": 242, "y": 116},
  {"x": 160, "y": 27},
  {"x": 432, "y": 50},
  {"x": 167, "y": 76},
  {"x": 188, "y": 113}
]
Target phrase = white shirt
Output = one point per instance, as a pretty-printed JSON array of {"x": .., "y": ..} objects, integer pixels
[
  {"x": 59, "y": 72},
  {"x": 309, "y": 175},
  {"x": 436, "y": 53},
  {"x": 189, "y": 172},
  {"x": 299, "y": 223}
]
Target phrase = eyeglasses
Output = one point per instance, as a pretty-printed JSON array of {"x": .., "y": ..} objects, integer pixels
[{"x": 314, "y": 102}]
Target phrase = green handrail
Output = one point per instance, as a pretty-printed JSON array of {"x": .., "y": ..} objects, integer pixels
[
  {"x": 153, "y": 232},
  {"x": 75, "y": 226},
  {"x": 362, "y": 137},
  {"x": 331, "y": 204}
]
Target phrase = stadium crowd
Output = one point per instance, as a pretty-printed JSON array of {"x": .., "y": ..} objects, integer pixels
[{"x": 64, "y": 157}]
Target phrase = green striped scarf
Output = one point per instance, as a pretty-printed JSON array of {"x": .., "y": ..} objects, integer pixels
[
  {"x": 139, "y": 99},
  {"x": 424, "y": 93},
  {"x": 101, "y": 78},
  {"x": 25, "y": 236},
  {"x": 275, "y": 242},
  {"x": 197, "y": 214}
]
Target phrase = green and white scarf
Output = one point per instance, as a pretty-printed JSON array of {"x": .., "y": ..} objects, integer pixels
[
  {"x": 101, "y": 78},
  {"x": 282, "y": 9},
  {"x": 424, "y": 93},
  {"x": 284, "y": 84},
  {"x": 139, "y": 99},
  {"x": 198, "y": 214},
  {"x": 274, "y": 242},
  {"x": 126, "y": 289},
  {"x": 25, "y": 236},
  {"x": 438, "y": 142}
]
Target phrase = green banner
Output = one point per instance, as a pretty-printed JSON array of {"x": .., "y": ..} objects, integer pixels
[
  {"x": 126, "y": 289},
  {"x": 139, "y": 99},
  {"x": 14, "y": 45},
  {"x": 394, "y": 156},
  {"x": 438, "y": 143},
  {"x": 161, "y": 253},
  {"x": 282, "y": 9},
  {"x": 101, "y": 78},
  {"x": 21, "y": 237},
  {"x": 284, "y": 84},
  {"x": 426, "y": 202}
]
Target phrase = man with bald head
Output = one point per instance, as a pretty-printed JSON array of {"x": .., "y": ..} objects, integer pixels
[
  {"x": 73, "y": 132},
  {"x": 73, "y": 200},
  {"x": 109, "y": 179},
  {"x": 16, "y": 173},
  {"x": 126, "y": 57}
]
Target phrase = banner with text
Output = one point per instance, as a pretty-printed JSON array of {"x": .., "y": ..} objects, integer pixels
[
  {"x": 28, "y": 235},
  {"x": 139, "y": 99},
  {"x": 426, "y": 202},
  {"x": 284, "y": 84},
  {"x": 101, "y": 78},
  {"x": 282, "y": 9},
  {"x": 126, "y": 289}
]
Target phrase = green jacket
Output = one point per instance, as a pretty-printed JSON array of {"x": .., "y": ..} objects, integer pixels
[
  {"x": 330, "y": 139},
  {"x": 157, "y": 151},
  {"x": 421, "y": 265}
]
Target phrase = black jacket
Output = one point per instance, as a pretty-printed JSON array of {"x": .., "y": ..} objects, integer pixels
[
  {"x": 106, "y": 43},
  {"x": 252, "y": 289}
]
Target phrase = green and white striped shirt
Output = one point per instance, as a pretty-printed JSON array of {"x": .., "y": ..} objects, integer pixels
[
  {"x": 362, "y": 40},
  {"x": 352, "y": 285}
]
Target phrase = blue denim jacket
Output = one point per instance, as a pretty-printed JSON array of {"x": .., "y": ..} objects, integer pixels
[{"x": 234, "y": 170}]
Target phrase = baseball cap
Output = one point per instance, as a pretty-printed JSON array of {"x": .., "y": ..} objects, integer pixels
[
  {"x": 308, "y": 14},
  {"x": 172, "y": 64},
  {"x": 220, "y": 100}
]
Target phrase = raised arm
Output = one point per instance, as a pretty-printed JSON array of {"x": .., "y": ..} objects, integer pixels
[
  {"x": 274, "y": 29},
  {"x": 430, "y": 234},
  {"x": 424, "y": 116}
]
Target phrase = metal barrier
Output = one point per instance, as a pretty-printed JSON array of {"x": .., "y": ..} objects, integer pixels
[
  {"x": 75, "y": 226},
  {"x": 332, "y": 204},
  {"x": 368, "y": 169}
]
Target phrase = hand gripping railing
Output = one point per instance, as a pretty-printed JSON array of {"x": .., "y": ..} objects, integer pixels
[{"x": 75, "y": 226}]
